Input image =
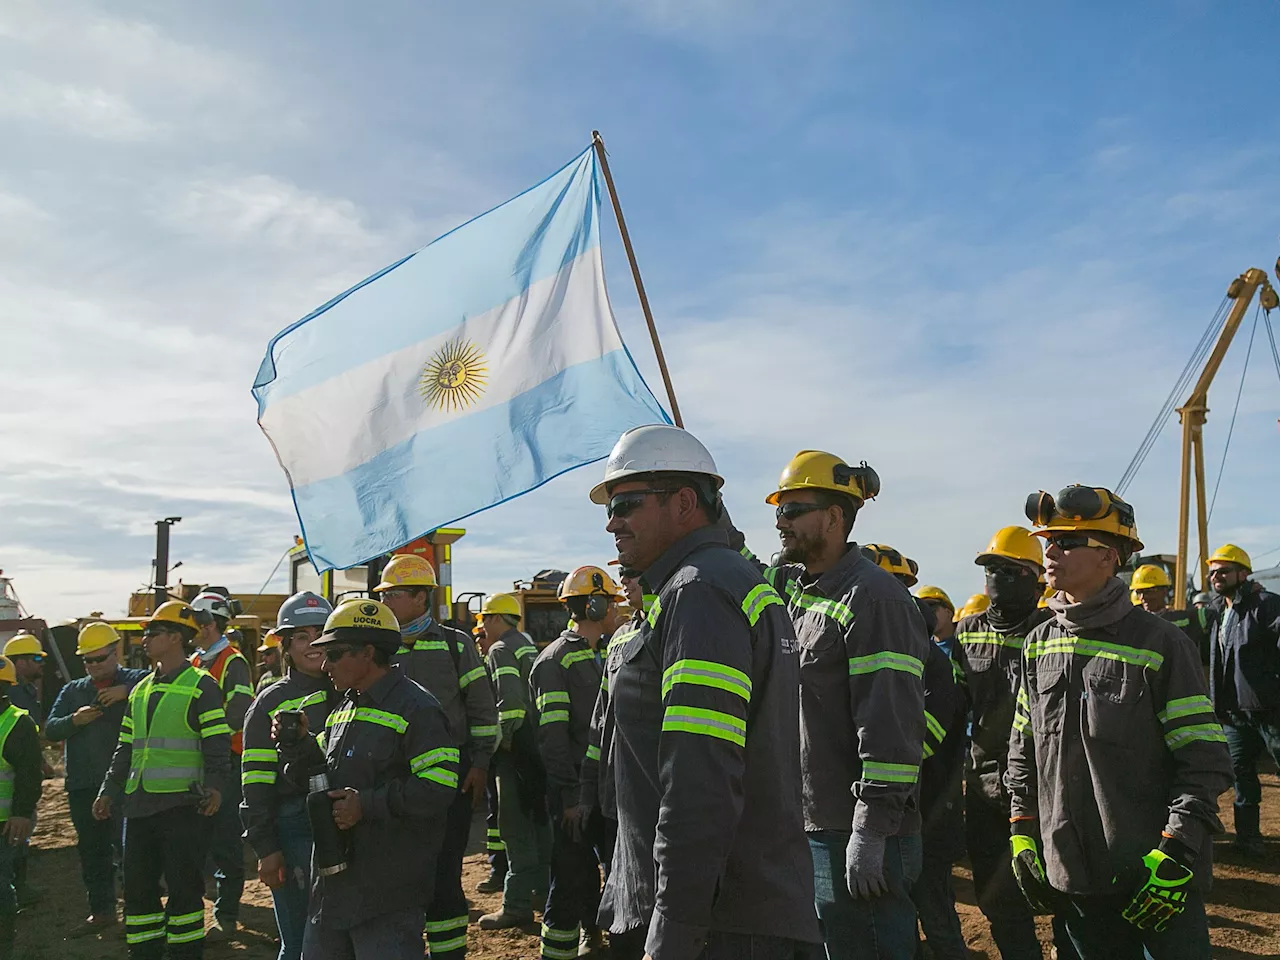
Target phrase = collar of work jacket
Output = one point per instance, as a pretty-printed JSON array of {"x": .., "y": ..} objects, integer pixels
[
  {"x": 835, "y": 581},
  {"x": 660, "y": 570},
  {"x": 1103, "y": 610},
  {"x": 380, "y": 690}
]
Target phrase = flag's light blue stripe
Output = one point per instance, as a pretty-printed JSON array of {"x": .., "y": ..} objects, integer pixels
[
  {"x": 471, "y": 269},
  {"x": 564, "y": 422}
]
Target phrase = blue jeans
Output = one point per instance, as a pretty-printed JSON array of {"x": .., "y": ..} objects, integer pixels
[
  {"x": 99, "y": 843},
  {"x": 936, "y": 904},
  {"x": 294, "y": 832},
  {"x": 883, "y": 928},
  {"x": 1099, "y": 932},
  {"x": 1248, "y": 739}
]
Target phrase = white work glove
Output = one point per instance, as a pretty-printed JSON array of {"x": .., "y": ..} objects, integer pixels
[{"x": 864, "y": 863}]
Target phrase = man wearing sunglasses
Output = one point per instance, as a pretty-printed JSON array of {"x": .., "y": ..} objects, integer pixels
[
  {"x": 86, "y": 718},
  {"x": 274, "y": 808},
  {"x": 1116, "y": 760},
  {"x": 710, "y": 854},
  {"x": 988, "y": 653},
  {"x": 166, "y": 777},
  {"x": 445, "y": 661},
  {"x": 863, "y": 645},
  {"x": 393, "y": 767},
  {"x": 1244, "y": 681}
]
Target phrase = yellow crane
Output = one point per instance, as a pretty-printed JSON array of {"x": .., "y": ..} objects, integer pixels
[{"x": 1193, "y": 414}]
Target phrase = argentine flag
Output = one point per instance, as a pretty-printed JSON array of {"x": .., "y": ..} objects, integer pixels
[{"x": 463, "y": 375}]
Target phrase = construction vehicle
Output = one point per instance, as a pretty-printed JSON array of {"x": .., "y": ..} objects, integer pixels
[
  {"x": 1193, "y": 414},
  {"x": 542, "y": 615}
]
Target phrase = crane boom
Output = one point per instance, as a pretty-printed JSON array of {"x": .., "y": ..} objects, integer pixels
[{"x": 1193, "y": 414}]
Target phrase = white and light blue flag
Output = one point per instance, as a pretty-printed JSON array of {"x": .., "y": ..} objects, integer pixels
[{"x": 468, "y": 373}]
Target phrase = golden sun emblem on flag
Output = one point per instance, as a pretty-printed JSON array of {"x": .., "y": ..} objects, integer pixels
[{"x": 455, "y": 377}]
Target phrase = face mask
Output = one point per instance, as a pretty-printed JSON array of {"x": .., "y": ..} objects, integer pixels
[{"x": 1012, "y": 590}]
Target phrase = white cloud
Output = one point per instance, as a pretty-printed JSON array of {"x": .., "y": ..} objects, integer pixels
[{"x": 81, "y": 110}]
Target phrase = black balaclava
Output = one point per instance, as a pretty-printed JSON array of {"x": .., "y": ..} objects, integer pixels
[{"x": 1014, "y": 592}]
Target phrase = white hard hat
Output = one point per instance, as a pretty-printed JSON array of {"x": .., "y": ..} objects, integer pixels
[
  {"x": 655, "y": 448},
  {"x": 212, "y": 602}
]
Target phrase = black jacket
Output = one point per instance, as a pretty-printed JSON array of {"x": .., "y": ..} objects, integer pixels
[
  {"x": 1244, "y": 654},
  {"x": 393, "y": 744},
  {"x": 706, "y": 759}
]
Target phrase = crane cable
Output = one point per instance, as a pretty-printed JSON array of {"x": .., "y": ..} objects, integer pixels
[
  {"x": 1271, "y": 335},
  {"x": 1193, "y": 366},
  {"x": 1231, "y": 429}
]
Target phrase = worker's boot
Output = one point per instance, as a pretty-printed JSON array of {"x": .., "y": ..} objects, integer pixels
[
  {"x": 1248, "y": 832},
  {"x": 492, "y": 883},
  {"x": 591, "y": 943},
  {"x": 504, "y": 921}
]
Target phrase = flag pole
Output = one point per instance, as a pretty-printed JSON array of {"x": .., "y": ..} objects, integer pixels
[{"x": 598, "y": 142}]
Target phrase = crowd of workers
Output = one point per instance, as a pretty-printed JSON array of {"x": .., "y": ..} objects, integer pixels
[{"x": 761, "y": 761}]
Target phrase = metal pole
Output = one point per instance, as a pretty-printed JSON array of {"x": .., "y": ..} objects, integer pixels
[
  {"x": 1202, "y": 513},
  {"x": 598, "y": 142},
  {"x": 161, "y": 587},
  {"x": 1184, "y": 510}
]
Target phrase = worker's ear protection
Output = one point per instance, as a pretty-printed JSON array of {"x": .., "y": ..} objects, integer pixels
[
  {"x": 862, "y": 480},
  {"x": 597, "y": 603},
  {"x": 1078, "y": 503},
  {"x": 202, "y": 617}
]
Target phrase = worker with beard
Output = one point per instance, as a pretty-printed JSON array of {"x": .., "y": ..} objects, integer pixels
[
  {"x": 1115, "y": 762},
  {"x": 863, "y": 645},
  {"x": 711, "y": 857},
  {"x": 988, "y": 648},
  {"x": 1244, "y": 681},
  {"x": 1152, "y": 586}
]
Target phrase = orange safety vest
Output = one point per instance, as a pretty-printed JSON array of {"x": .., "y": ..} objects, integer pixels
[{"x": 216, "y": 669}]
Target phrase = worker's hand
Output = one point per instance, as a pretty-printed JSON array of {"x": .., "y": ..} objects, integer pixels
[
  {"x": 112, "y": 695},
  {"x": 474, "y": 783},
  {"x": 1028, "y": 871},
  {"x": 864, "y": 863},
  {"x": 346, "y": 807},
  {"x": 303, "y": 727},
  {"x": 271, "y": 870},
  {"x": 210, "y": 804},
  {"x": 18, "y": 830},
  {"x": 1162, "y": 892},
  {"x": 575, "y": 820},
  {"x": 102, "y": 808},
  {"x": 85, "y": 716}
]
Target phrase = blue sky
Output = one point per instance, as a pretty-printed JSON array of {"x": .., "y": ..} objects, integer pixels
[{"x": 971, "y": 247}]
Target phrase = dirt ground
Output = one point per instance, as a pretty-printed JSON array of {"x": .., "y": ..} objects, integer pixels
[{"x": 1244, "y": 906}]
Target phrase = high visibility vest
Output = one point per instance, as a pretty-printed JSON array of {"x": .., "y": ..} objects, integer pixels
[
  {"x": 218, "y": 670},
  {"x": 8, "y": 720},
  {"x": 166, "y": 750}
]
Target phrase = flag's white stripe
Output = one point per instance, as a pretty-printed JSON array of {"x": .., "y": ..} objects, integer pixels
[{"x": 338, "y": 424}]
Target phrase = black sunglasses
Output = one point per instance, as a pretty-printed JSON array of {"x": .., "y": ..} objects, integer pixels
[
  {"x": 335, "y": 653},
  {"x": 795, "y": 509},
  {"x": 1074, "y": 541},
  {"x": 625, "y": 504},
  {"x": 102, "y": 659}
]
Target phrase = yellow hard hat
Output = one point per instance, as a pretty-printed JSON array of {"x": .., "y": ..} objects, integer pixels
[
  {"x": 407, "y": 570},
  {"x": 1149, "y": 575},
  {"x": 500, "y": 604},
  {"x": 887, "y": 558},
  {"x": 1078, "y": 508},
  {"x": 8, "y": 673},
  {"x": 975, "y": 604},
  {"x": 475, "y": 631},
  {"x": 23, "y": 643},
  {"x": 586, "y": 581},
  {"x": 938, "y": 594},
  {"x": 270, "y": 642},
  {"x": 376, "y": 624},
  {"x": 96, "y": 636},
  {"x": 1227, "y": 553},
  {"x": 1135, "y": 598},
  {"x": 1014, "y": 543},
  {"x": 174, "y": 611},
  {"x": 815, "y": 470}
]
